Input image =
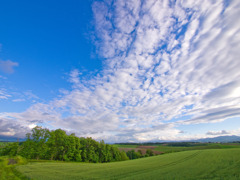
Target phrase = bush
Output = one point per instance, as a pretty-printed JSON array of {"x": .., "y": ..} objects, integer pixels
[{"x": 149, "y": 152}]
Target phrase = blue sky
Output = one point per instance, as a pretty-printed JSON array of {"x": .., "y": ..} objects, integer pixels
[
  {"x": 47, "y": 41},
  {"x": 120, "y": 70}
]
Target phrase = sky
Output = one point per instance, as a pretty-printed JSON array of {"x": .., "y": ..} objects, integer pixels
[{"x": 121, "y": 71}]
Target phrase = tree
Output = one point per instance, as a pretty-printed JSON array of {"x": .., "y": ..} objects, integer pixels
[
  {"x": 102, "y": 151},
  {"x": 35, "y": 146},
  {"x": 57, "y": 145},
  {"x": 149, "y": 152},
  {"x": 124, "y": 156},
  {"x": 11, "y": 149}
]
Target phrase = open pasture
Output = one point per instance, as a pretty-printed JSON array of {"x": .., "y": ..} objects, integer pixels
[
  {"x": 197, "y": 164},
  {"x": 199, "y": 146},
  {"x": 176, "y": 147}
]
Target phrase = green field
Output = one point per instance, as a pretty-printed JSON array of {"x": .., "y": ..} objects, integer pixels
[
  {"x": 197, "y": 164},
  {"x": 169, "y": 149}
]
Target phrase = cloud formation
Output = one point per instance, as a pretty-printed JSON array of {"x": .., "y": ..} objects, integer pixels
[
  {"x": 163, "y": 60},
  {"x": 4, "y": 94},
  {"x": 7, "y": 66},
  {"x": 223, "y": 132}
]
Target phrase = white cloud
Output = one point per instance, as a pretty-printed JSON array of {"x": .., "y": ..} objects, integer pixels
[
  {"x": 18, "y": 100},
  {"x": 2, "y": 77},
  {"x": 163, "y": 60},
  {"x": 4, "y": 94},
  {"x": 29, "y": 95},
  {"x": 223, "y": 132},
  {"x": 7, "y": 66}
]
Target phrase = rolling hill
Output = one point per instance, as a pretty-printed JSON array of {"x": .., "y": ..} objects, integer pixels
[{"x": 198, "y": 164}]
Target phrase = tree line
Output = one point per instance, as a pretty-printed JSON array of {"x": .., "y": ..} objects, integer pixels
[
  {"x": 135, "y": 155},
  {"x": 42, "y": 143}
]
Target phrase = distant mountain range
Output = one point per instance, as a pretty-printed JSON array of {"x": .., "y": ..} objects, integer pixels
[
  {"x": 223, "y": 139},
  {"x": 10, "y": 139}
]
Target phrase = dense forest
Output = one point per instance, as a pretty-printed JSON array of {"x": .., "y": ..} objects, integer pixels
[{"x": 42, "y": 143}]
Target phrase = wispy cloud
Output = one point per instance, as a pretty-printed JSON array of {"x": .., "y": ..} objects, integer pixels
[
  {"x": 163, "y": 60},
  {"x": 2, "y": 77},
  {"x": 18, "y": 100},
  {"x": 7, "y": 66},
  {"x": 4, "y": 94},
  {"x": 223, "y": 132}
]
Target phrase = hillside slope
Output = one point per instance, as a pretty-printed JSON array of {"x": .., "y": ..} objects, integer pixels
[{"x": 199, "y": 164}]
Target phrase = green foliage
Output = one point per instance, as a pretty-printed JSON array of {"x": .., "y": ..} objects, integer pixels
[
  {"x": 10, "y": 149},
  {"x": 200, "y": 164},
  {"x": 3, "y": 144},
  {"x": 35, "y": 146},
  {"x": 124, "y": 156},
  {"x": 149, "y": 152},
  {"x": 57, "y": 145},
  {"x": 134, "y": 155},
  {"x": 7, "y": 169}
]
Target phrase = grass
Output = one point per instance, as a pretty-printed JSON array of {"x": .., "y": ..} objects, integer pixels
[
  {"x": 168, "y": 148},
  {"x": 197, "y": 164},
  {"x": 8, "y": 171}
]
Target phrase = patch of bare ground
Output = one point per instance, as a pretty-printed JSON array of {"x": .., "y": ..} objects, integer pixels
[{"x": 12, "y": 161}]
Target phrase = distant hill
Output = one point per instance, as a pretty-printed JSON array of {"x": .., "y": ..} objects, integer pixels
[
  {"x": 10, "y": 139},
  {"x": 222, "y": 139}
]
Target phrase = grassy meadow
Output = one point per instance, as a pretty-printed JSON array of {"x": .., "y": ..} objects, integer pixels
[
  {"x": 196, "y": 164},
  {"x": 198, "y": 146},
  {"x": 177, "y": 147}
]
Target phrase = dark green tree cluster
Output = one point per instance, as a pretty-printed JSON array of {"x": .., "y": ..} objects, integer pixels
[
  {"x": 57, "y": 145},
  {"x": 135, "y": 155},
  {"x": 10, "y": 149}
]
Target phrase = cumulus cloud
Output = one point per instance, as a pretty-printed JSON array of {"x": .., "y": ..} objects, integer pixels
[
  {"x": 163, "y": 60},
  {"x": 7, "y": 66},
  {"x": 11, "y": 128}
]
